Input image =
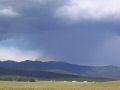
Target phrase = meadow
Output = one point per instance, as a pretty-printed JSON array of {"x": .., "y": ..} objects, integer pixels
[{"x": 48, "y": 85}]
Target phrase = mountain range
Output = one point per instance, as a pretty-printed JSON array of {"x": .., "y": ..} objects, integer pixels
[{"x": 55, "y": 69}]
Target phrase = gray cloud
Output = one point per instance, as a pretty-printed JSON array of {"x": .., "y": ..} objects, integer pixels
[
  {"x": 38, "y": 28},
  {"x": 99, "y": 10}
]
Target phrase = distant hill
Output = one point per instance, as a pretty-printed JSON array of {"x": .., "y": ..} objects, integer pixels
[
  {"x": 37, "y": 74},
  {"x": 53, "y": 69}
]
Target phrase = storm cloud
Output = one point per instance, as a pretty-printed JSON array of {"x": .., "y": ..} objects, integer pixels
[{"x": 75, "y": 31}]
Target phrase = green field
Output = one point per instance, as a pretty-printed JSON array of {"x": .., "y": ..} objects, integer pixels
[{"x": 48, "y": 85}]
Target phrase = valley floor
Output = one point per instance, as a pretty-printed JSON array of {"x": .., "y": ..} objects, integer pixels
[{"x": 51, "y": 85}]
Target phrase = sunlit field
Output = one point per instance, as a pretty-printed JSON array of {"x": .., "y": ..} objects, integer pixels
[{"x": 49, "y": 85}]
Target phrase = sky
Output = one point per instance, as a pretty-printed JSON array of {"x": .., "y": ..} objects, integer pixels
[{"x": 84, "y": 32}]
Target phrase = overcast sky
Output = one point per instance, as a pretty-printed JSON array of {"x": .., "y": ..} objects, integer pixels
[{"x": 85, "y": 32}]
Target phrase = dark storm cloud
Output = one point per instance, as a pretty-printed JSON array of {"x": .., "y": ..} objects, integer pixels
[{"x": 35, "y": 22}]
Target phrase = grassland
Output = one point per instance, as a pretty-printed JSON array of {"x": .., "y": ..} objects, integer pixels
[{"x": 48, "y": 85}]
